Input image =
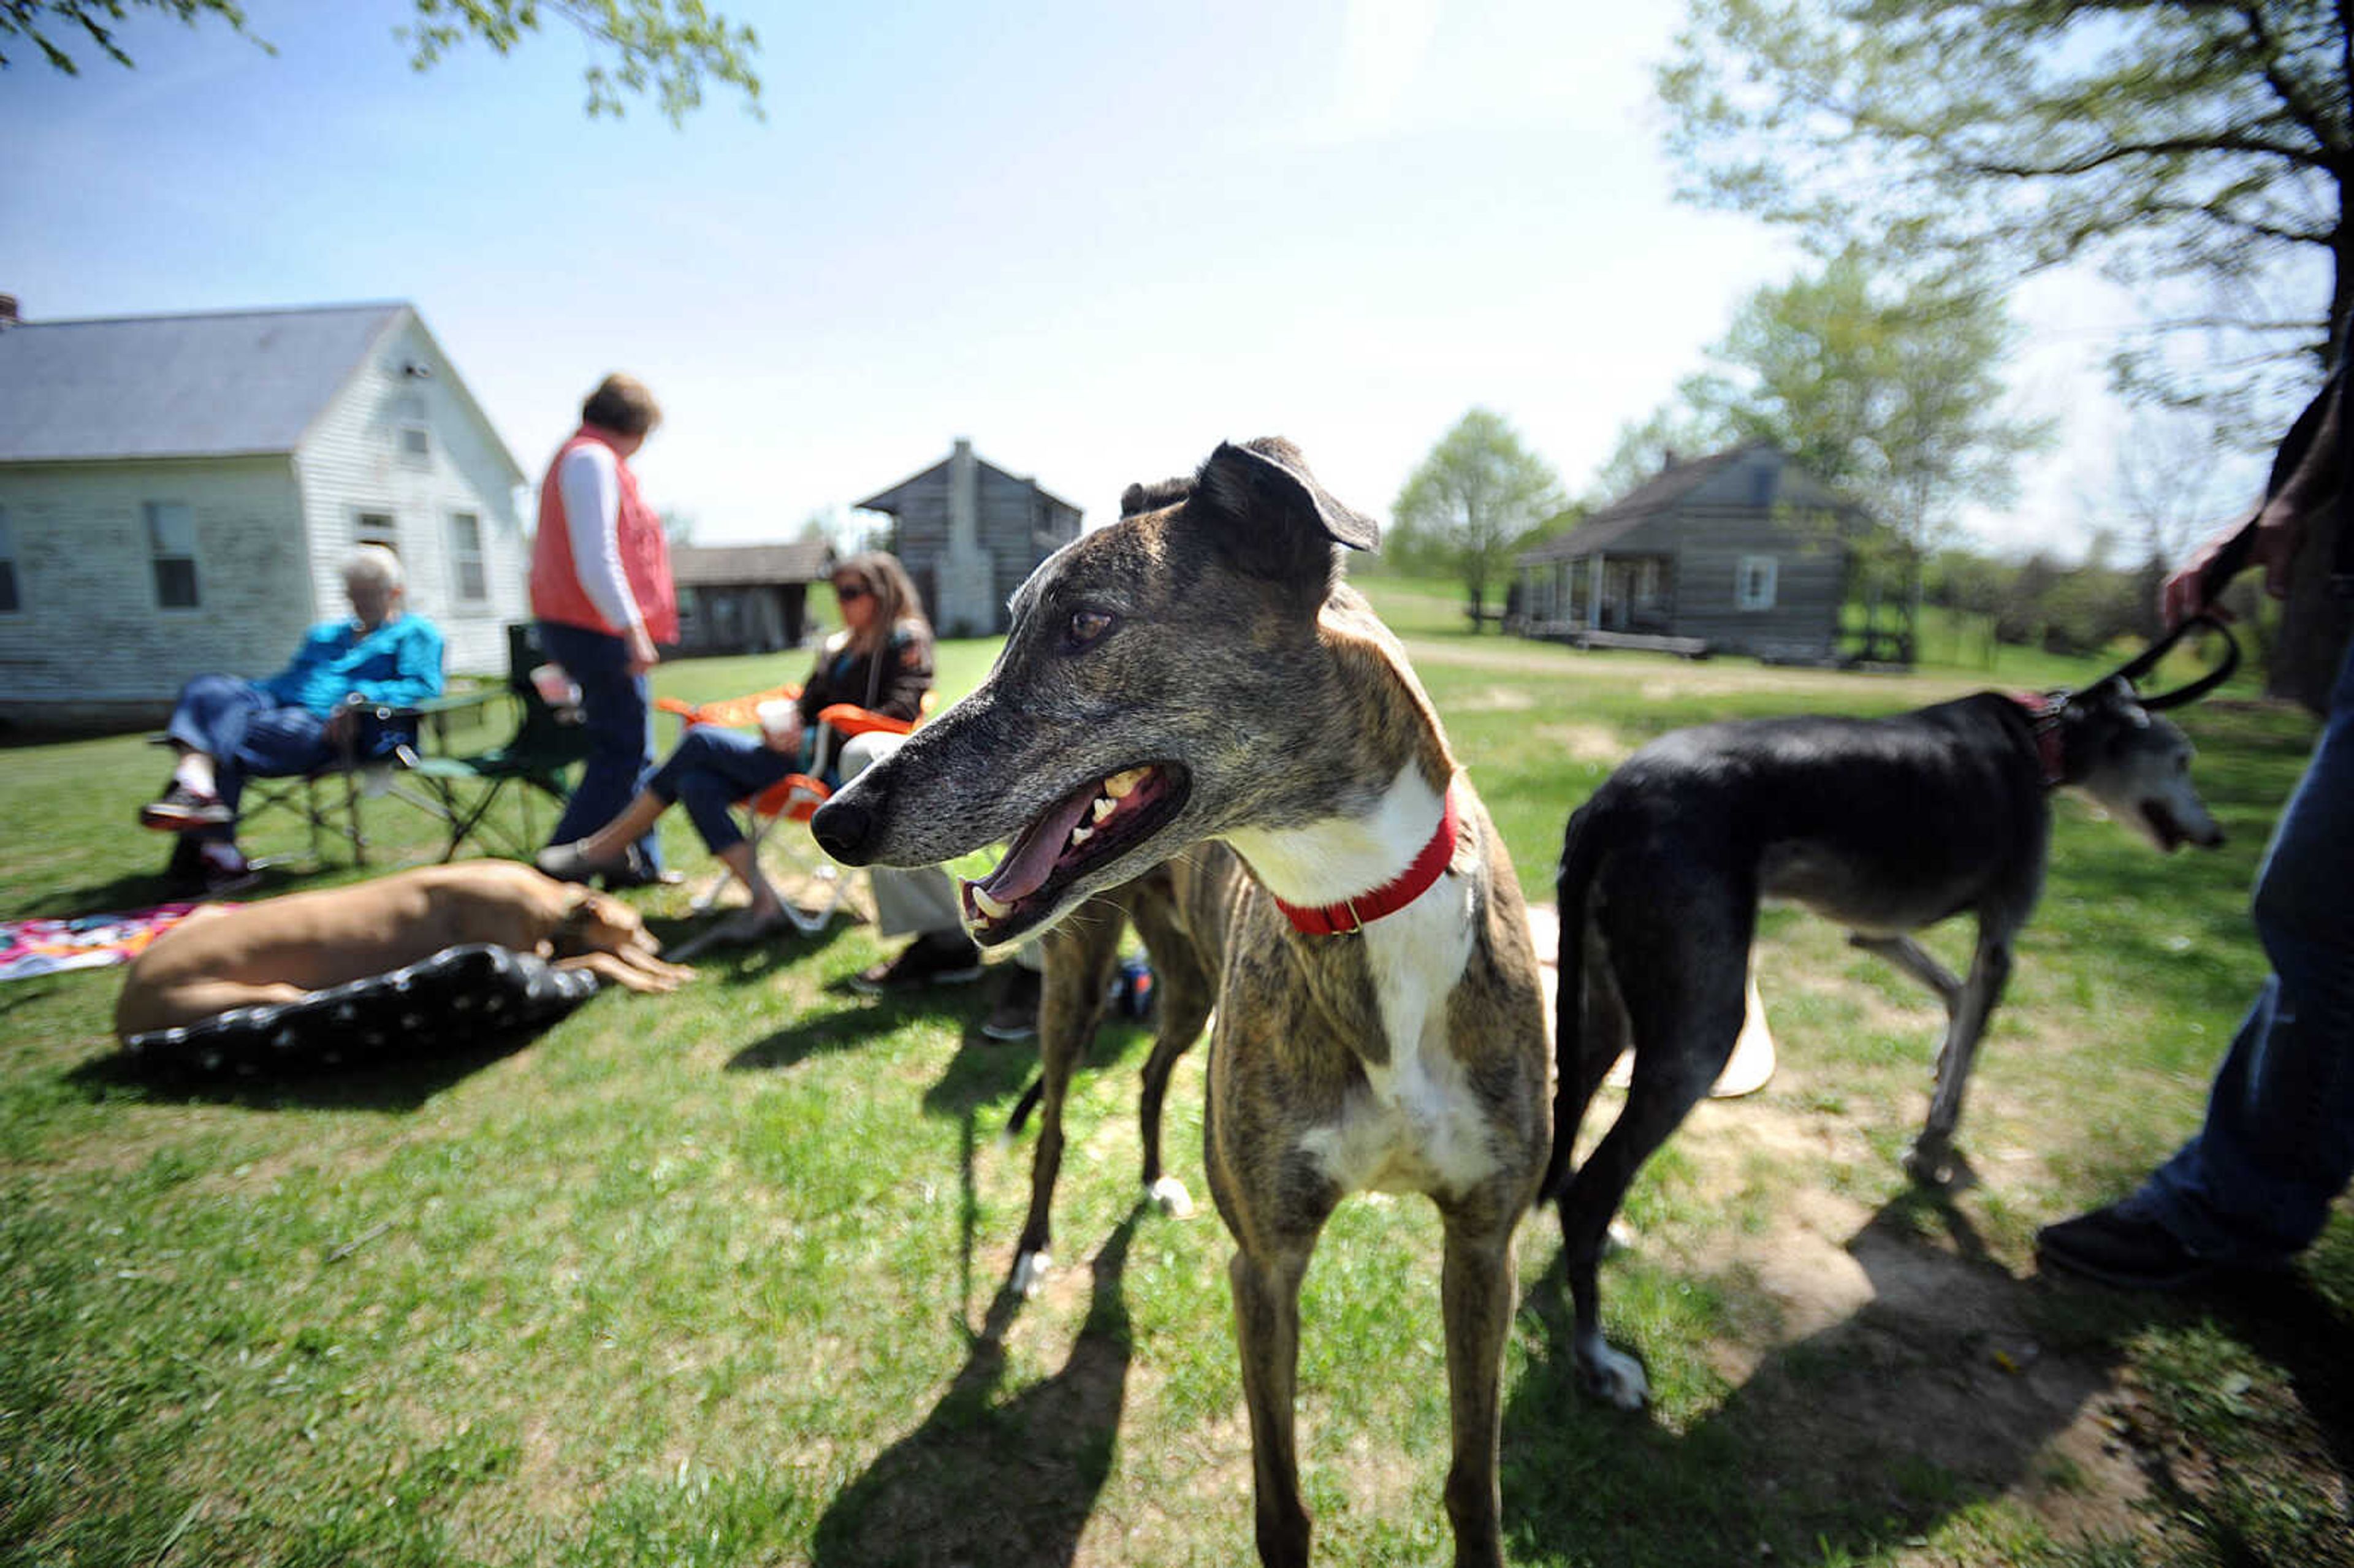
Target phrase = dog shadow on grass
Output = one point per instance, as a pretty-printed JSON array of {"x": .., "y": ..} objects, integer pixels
[
  {"x": 1936, "y": 1392},
  {"x": 992, "y": 1483}
]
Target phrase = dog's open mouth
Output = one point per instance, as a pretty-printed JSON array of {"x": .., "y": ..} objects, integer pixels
[
  {"x": 2162, "y": 826},
  {"x": 1089, "y": 827}
]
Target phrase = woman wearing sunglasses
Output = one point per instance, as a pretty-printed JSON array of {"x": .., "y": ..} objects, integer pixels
[{"x": 882, "y": 660}]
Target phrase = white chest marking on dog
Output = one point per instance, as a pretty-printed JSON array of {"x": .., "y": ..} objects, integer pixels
[{"x": 1414, "y": 1128}]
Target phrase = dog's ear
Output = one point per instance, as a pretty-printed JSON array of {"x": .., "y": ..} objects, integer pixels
[
  {"x": 1139, "y": 499},
  {"x": 1269, "y": 513}
]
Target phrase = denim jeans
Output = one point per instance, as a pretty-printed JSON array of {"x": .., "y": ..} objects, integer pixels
[
  {"x": 615, "y": 705},
  {"x": 710, "y": 771},
  {"x": 247, "y": 733},
  {"x": 2277, "y": 1146}
]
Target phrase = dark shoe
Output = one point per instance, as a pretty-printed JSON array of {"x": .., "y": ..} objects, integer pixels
[
  {"x": 2119, "y": 1246},
  {"x": 223, "y": 869},
  {"x": 935, "y": 957},
  {"x": 1015, "y": 1014},
  {"x": 567, "y": 863},
  {"x": 179, "y": 808}
]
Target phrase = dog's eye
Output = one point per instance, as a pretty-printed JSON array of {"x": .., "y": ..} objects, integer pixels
[{"x": 1086, "y": 626}]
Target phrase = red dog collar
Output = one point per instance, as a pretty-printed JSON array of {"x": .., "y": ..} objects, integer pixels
[
  {"x": 1355, "y": 914},
  {"x": 2043, "y": 718}
]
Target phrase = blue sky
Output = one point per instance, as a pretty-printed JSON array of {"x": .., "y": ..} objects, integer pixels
[{"x": 1095, "y": 239}]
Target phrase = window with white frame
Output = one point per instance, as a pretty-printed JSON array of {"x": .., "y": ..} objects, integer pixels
[
  {"x": 1752, "y": 586},
  {"x": 469, "y": 576},
  {"x": 412, "y": 437},
  {"x": 11, "y": 597},
  {"x": 171, "y": 547}
]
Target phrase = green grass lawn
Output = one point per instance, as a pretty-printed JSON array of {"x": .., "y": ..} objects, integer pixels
[{"x": 712, "y": 1279}]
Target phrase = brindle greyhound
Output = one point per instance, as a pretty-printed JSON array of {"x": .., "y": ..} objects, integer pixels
[
  {"x": 1885, "y": 825},
  {"x": 1199, "y": 670}
]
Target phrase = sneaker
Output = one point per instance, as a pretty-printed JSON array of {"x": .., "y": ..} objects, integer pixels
[
  {"x": 179, "y": 808},
  {"x": 1015, "y": 1014},
  {"x": 2118, "y": 1246},
  {"x": 935, "y": 957}
]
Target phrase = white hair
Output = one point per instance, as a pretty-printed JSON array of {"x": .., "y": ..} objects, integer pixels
[{"x": 373, "y": 564}]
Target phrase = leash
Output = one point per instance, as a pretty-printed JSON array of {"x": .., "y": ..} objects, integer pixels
[
  {"x": 1356, "y": 914},
  {"x": 2143, "y": 662},
  {"x": 2045, "y": 710}
]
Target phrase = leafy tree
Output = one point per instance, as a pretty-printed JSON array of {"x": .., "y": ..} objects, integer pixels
[
  {"x": 665, "y": 47},
  {"x": 1890, "y": 390},
  {"x": 678, "y": 527},
  {"x": 2205, "y": 144},
  {"x": 1471, "y": 502}
]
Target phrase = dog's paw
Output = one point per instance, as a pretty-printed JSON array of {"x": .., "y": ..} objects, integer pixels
[
  {"x": 1030, "y": 1273},
  {"x": 1614, "y": 1376},
  {"x": 1169, "y": 1196},
  {"x": 1930, "y": 1164}
]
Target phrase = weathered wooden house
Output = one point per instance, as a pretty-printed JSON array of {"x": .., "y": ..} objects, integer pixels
[
  {"x": 178, "y": 494},
  {"x": 1739, "y": 552},
  {"x": 970, "y": 534},
  {"x": 745, "y": 599}
]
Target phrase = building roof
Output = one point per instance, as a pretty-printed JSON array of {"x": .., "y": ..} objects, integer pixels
[
  {"x": 218, "y": 384},
  {"x": 717, "y": 566},
  {"x": 1674, "y": 486},
  {"x": 891, "y": 500}
]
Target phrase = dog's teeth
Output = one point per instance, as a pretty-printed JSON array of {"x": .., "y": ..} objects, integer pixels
[
  {"x": 990, "y": 906},
  {"x": 1120, "y": 786},
  {"x": 1081, "y": 835},
  {"x": 1105, "y": 808}
]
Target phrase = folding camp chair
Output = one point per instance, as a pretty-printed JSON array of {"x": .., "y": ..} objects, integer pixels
[
  {"x": 813, "y": 885},
  {"x": 326, "y": 798},
  {"x": 537, "y": 758}
]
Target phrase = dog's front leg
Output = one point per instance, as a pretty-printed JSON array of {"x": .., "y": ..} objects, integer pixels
[
  {"x": 1078, "y": 956},
  {"x": 1931, "y": 1157},
  {"x": 1476, "y": 1287},
  {"x": 1267, "y": 1331}
]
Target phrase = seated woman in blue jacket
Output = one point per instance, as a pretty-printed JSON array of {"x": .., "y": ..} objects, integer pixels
[{"x": 226, "y": 729}]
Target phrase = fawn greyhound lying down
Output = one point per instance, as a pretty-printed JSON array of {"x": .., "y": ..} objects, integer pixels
[
  {"x": 1198, "y": 672},
  {"x": 1885, "y": 825},
  {"x": 281, "y": 950}
]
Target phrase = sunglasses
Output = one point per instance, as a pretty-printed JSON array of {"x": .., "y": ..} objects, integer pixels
[{"x": 848, "y": 591}]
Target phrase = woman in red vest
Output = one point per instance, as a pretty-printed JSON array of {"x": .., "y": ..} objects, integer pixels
[{"x": 601, "y": 587}]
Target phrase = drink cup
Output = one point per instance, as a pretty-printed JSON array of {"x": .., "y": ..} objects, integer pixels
[
  {"x": 775, "y": 716},
  {"x": 554, "y": 687}
]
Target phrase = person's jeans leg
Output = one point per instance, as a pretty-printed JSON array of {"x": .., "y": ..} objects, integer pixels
[
  {"x": 212, "y": 712},
  {"x": 2277, "y": 1146},
  {"x": 615, "y": 705},
  {"x": 709, "y": 772}
]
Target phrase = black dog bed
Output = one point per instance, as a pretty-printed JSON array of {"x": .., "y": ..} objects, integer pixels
[{"x": 437, "y": 1005}]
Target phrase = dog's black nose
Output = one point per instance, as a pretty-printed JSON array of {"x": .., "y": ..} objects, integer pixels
[{"x": 842, "y": 829}]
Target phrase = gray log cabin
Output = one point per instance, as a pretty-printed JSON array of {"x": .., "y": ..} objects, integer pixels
[
  {"x": 1739, "y": 552},
  {"x": 970, "y": 534}
]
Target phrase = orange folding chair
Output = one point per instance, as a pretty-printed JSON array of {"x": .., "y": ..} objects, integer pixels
[{"x": 813, "y": 885}]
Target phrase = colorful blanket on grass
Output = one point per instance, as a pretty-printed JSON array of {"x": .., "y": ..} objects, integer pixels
[{"x": 29, "y": 948}]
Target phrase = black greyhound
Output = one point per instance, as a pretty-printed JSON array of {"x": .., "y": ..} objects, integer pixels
[{"x": 1885, "y": 825}]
